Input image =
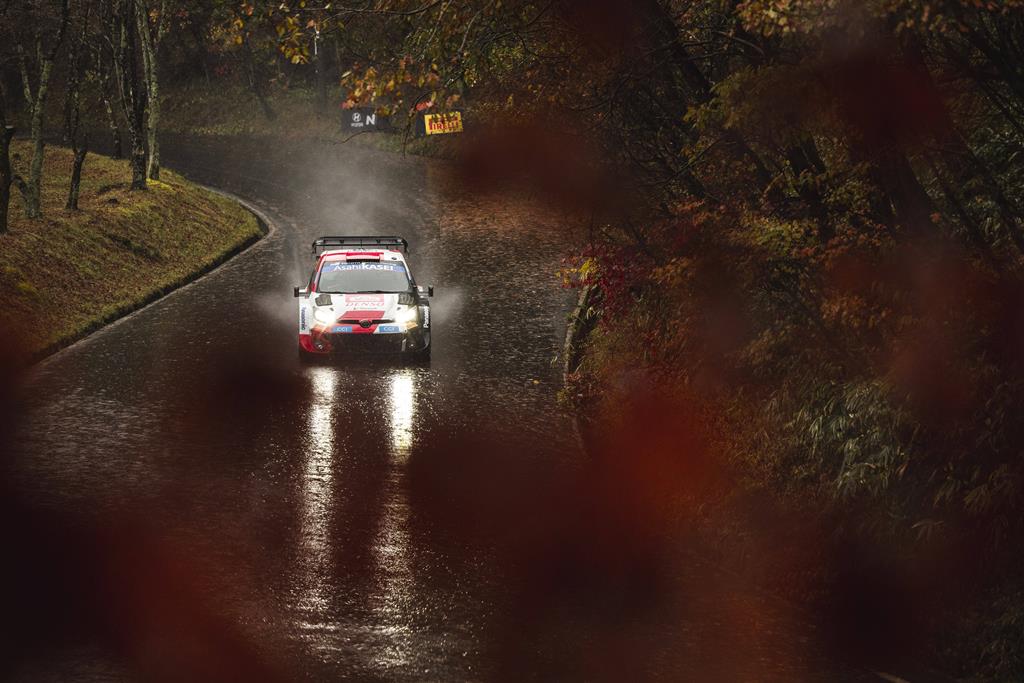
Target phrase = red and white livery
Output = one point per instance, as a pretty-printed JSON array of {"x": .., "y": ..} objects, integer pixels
[{"x": 361, "y": 296}]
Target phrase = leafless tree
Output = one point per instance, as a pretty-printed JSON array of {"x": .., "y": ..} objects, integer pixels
[
  {"x": 37, "y": 49},
  {"x": 131, "y": 84}
]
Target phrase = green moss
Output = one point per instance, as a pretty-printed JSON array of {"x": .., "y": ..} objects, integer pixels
[
  {"x": 69, "y": 273},
  {"x": 136, "y": 248},
  {"x": 26, "y": 289}
]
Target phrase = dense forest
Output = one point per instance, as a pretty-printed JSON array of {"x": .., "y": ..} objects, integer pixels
[{"x": 805, "y": 216}]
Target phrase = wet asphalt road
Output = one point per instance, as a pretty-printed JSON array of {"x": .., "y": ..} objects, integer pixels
[{"x": 249, "y": 518}]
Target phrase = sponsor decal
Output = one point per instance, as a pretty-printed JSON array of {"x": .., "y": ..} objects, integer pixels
[
  {"x": 342, "y": 329},
  {"x": 332, "y": 266},
  {"x": 442, "y": 124},
  {"x": 364, "y": 302},
  {"x": 363, "y": 119},
  {"x": 302, "y": 317},
  {"x": 389, "y": 329}
]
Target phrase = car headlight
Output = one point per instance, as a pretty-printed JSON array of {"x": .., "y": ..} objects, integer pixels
[
  {"x": 408, "y": 317},
  {"x": 324, "y": 315}
]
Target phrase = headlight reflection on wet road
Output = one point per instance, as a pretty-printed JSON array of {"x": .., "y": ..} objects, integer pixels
[
  {"x": 318, "y": 472},
  {"x": 396, "y": 599},
  {"x": 390, "y": 644},
  {"x": 402, "y": 407}
]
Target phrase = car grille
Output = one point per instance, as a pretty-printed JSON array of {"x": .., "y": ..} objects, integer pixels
[
  {"x": 373, "y": 321},
  {"x": 366, "y": 343}
]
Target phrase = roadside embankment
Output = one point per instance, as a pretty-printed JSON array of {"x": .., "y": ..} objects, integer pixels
[
  {"x": 709, "y": 459},
  {"x": 69, "y": 273}
]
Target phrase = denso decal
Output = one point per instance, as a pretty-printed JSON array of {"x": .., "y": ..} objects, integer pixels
[
  {"x": 364, "y": 302},
  {"x": 389, "y": 329},
  {"x": 342, "y": 329}
]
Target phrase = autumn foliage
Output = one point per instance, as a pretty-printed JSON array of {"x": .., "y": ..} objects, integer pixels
[
  {"x": 815, "y": 226},
  {"x": 806, "y": 215}
]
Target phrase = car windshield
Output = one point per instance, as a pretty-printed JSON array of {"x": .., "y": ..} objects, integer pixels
[{"x": 341, "y": 276}]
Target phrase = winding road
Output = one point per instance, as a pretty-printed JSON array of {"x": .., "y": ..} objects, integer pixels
[{"x": 213, "y": 510}]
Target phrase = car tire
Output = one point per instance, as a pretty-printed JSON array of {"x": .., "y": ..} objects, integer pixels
[{"x": 422, "y": 355}]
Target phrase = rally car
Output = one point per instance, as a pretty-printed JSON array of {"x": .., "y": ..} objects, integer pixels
[{"x": 362, "y": 297}]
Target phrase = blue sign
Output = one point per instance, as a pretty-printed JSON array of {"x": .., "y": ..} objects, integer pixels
[
  {"x": 342, "y": 329},
  {"x": 389, "y": 329}
]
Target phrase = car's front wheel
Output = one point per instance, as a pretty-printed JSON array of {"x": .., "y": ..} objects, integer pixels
[{"x": 422, "y": 354}]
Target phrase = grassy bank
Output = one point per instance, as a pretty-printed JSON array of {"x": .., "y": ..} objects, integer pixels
[{"x": 69, "y": 273}]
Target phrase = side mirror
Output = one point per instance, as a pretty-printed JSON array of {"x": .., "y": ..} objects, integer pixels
[
  {"x": 430, "y": 290},
  {"x": 425, "y": 291},
  {"x": 299, "y": 292}
]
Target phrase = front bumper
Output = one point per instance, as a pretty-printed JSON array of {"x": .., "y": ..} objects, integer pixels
[{"x": 322, "y": 342}]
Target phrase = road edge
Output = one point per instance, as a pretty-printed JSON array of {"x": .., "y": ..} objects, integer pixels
[{"x": 268, "y": 227}]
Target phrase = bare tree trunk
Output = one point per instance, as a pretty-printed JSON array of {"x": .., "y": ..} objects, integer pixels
[
  {"x": 6, "y": 175},
  {"x": 107, "y": 96},
  {"x": 132, "y": 91},
  {"x": 37, "y": 104},
  {"x": 152, "y": 126},
  {"x": 880, "y": 204},
  {"x": 115, "y": 130},
  {"x": 911, "y": 203},
  {"x": 137, "y": 145},
  {"x": 256, "y": 85},
  {"x": 73, "y": 114},
  {"x": 104, "y": 71},
  {"x": 149, "y": 44},
  {"x": 76, "y": 175},
  {"x": 801, "y": 162},
  {"x": 36, "y": 101}
]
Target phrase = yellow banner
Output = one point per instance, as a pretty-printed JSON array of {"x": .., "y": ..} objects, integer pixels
[{"x": 439, "y": 124}]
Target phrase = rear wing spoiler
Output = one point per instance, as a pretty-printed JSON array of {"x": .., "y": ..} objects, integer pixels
[{"x": 386, "y": 242}]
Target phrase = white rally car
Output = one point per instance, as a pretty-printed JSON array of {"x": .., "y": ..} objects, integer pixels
[{"x": 362, "y": 297}]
